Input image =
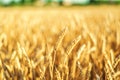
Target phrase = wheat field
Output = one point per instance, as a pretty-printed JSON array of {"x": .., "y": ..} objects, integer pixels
[{"x": 78, "y": 43}]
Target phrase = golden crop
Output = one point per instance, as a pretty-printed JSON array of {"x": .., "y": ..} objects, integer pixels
[{"x": 60, "y": 44}]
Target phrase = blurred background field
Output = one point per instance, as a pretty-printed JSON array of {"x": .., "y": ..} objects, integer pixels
[{"x": 56, "y": 2}]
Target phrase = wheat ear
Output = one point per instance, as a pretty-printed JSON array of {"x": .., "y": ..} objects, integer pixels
[{"x": 72, "y": 45}]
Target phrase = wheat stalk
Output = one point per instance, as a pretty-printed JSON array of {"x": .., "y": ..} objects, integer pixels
[{"x": 72, "y": 45}]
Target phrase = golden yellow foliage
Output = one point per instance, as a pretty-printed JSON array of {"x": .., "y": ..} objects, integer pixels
[{"x": 60, "y": 44}]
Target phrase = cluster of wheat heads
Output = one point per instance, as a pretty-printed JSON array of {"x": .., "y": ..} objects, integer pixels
[
  {"x": 76, "y": 61},
  {"x": 87, "y": 49}
]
